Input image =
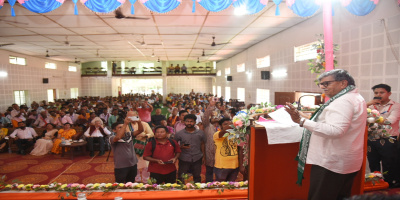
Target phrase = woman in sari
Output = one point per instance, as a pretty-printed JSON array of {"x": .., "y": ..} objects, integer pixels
[
  {"x": 44, "y": 144},
  {"x": 65, "y": 133}
]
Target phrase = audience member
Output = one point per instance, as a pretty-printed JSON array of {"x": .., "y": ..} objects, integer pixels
[
  {"x": 180, "y": 125},
  {"x": 113, "y": 118},
  {"x": 96, "y": 133},
  {"x": 177, "y": 69},
  {"x": 144, "y": 111},
  {"x": 44, "y": 145},
  {"x": 105, "y": 116},
  {"x": 162, "y": 154},
  {"x": 125, "y": 161},
  {"x": 173, "y": 118},
  {"x": 23, "y": 137},
  {"x": 63, "y": 134},
  {"x": 157, "y": 117},
  {"x": 18, "y": 115},
  {"x": 65, "y": 118},
  {"x": 385, "y": 150},
  {"x": 192, "y": 142},
  {"x": 184, "y": 69}
]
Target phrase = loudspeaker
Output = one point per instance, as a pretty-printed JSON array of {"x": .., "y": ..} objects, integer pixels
[
  {"x": 229, "y": 78},
  {"x": 45, "y": 80},
  {"x": 265, "y": 75}
]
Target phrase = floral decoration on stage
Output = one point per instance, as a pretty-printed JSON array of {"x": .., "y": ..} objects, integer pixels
[
  {"x": 377, "y": 127},
  {"x": 74, "y": 188},
  {"x": 318, "y": 65},
  {"x": 375, "y": 177}
]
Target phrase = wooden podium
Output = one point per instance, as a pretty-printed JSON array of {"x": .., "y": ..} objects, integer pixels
[{"x": 273, "y": 169}]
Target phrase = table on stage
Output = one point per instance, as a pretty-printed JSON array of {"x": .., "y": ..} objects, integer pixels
[
  {"x": 72, "y": 147},
  {"x": 273, "y": 169}
]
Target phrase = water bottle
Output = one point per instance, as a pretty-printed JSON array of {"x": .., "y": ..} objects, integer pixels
[
  {"x": 118, "y": 198},
  {"x": 82, "y": 196},
  {"x": 63, "y": 141}
]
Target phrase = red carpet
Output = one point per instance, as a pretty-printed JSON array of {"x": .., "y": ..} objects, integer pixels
[{"x": 54, "y": 168}]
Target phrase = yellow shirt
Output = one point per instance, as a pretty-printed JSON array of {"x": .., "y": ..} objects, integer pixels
[{"x": 226, "y": 153}]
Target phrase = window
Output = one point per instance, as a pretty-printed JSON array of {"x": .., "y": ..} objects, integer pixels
[
  {"x": 262, "y": 95},
  {"x": 104, "y": 66},
  {"x": 241, "y": 68},
  {"x": 17, "y": 60},
  {"x": 50, "y": 95},
  {"x": 240, "y": 94},
  {"x": 305, "y": 52},
  {"x": 227, "y": 70},
  {"x": 72, "y": 68},
  {"x": 214, "y": 90},
  {"x": 122, "y": 66},
  {"x": 214, "y": 65},
  {"x": 74, "y": 93},
  {"x": 219, "y": 91},
  {"x": 50, "y": 65},
  {"x": 227, "y": 93},
  {"x": 264, "y": 62},
  {"x": 219, "y": 73},
  {"x": 20, "y": 97}
]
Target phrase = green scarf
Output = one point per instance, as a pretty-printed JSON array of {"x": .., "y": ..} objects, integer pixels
[{"x": 305, "y": 140}]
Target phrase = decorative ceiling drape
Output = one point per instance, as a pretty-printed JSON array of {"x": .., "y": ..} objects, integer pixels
[{"x": 303, "y": 8}]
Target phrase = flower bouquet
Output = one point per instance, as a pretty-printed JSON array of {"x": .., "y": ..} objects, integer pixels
[
  {"x": 375, "y": 177},
  {"x": 377, "y": 127}
]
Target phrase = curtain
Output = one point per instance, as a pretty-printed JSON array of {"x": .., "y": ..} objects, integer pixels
[
  {"x": 102, "y": 6},
  {"x": 41, "y": 6},
  {"x": 252, "y": 6},
  {"x": 161, "y": 6},
  {"x": 304, "y": 8},
  {"x": 361, "y": 7},
  {"x": 215, "y": 5}
]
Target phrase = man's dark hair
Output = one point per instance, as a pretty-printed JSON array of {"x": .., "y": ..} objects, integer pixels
[
  {"x": 384, "y": 86},
  {"x": 114, "y": 126},
  {"x": 338, "y": 75},
  {"x": 182, "y": 111},
  {"x": 190, "y": 116},
  {"x": 232, "y": 111},
  {"x": 221, "y": 121},
  {"x": 161, "y": 126}
]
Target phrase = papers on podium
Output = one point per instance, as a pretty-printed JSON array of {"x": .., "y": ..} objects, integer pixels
[{"x": 282, "y": 130}]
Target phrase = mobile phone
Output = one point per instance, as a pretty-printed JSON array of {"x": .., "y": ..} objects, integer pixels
[
  {"x": 378, "y": 98},
  {"x": 168, "y": 162},
  {"x": 134, "y": 118}
]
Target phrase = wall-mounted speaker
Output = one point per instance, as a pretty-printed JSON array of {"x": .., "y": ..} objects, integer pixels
[
  {"x": 265, "y": 75},
  {"x": 229, "y": 78},
  {"x": 45, "y": 80}
]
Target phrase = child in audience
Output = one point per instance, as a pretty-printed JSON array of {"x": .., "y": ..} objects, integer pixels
[{"x": 162, "y": 153}]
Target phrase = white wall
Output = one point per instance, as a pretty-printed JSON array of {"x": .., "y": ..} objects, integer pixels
[
  {"x": 365, "y": 53},
  {"x": 96, "y": 86},
  {"x": 30, "y": 77},
  {"x": 185, "y": 84}
]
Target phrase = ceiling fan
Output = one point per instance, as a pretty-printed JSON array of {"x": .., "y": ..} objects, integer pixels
[
  {"x": 119, "y": 15},
  {"x": 3, "y": 45},
  {"x": 213, "y": 44},
  {"x": 143, "y": 43},
  {"x": 68, "y": 44},
  {"x": 77, "y": 61},
  {"x": 204, "y": 54},
  {"x": 48, "y": 56}
]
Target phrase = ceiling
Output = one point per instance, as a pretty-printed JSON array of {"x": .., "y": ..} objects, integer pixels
[{"x": 177, "y": 35}]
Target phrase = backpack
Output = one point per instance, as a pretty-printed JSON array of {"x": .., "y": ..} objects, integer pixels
[{"x": 153, "y": 144}]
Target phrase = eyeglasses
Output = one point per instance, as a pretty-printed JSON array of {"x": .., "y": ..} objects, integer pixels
[{"x": 325, "y": 84}]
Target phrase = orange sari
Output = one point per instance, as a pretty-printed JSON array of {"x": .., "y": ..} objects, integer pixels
[{"x": 65, "y": 134}]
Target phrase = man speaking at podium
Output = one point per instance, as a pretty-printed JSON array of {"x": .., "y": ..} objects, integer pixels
[{"x": 333, "y": 139}]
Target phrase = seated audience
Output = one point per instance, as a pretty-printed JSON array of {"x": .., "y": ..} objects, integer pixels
[
  {"x": 104, "y": 116},
  {"x": 170, "y": 129},
  {"x": 171, "y": 69},
  {"x": 3, "y": 141},
  {"x": 125, "y": 161},
  {"x": 157, "y": 117},
  {"x": 184, "y": 69},
  {"x": 173, "y": 118},
  {"x": 65, "y": 118},
  {"x": 54, "y": 119},
  {"x": 18, "y": 115},
  {"x": 144, "y": 111},
  {"x": 113, "y": 118},
  {"x": 42, "y": 120},
  {"x": 162, "y": 154},
  {"x": 96, "y": 133},
  {"x": 43, "y": 145},
  {"x": 66, "y": 134},
  {"x": 180, "y": 125},
  {"x": 23, "y": 137},
  {"x": 177, "y": 69}
]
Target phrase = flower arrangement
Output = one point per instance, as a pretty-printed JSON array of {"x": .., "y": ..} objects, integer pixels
[
  {"x": 106, "y": 187},
  {"x": 318, "y": 65},
  {"x": 377, "y": 127},
  {"x": 374, "y": 177}
]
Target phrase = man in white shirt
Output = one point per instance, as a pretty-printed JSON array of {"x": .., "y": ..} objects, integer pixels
[
  {"x": 65, "y": 118},
  {"x": 105, "y": 115},
  {"x": 42, "y": 120},
  {"x": 333, "y": 139},
  {"x": 18, "y": 114},
  {"x": 385, "y": 149},
  {"x": 96, "y": 133},
  {"x": 23, "y": 137}
]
